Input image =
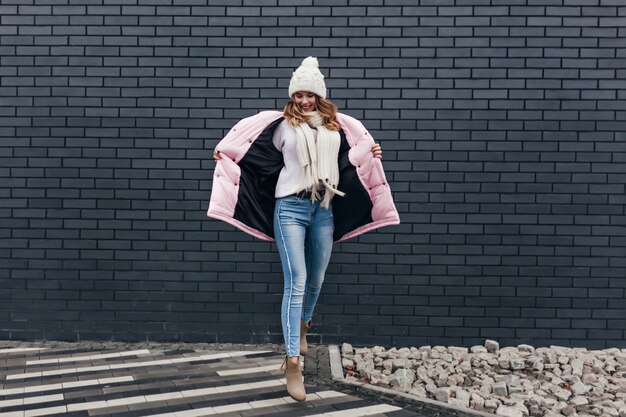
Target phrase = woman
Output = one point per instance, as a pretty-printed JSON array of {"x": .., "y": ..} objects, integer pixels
[{"x": 277, "y": 178}]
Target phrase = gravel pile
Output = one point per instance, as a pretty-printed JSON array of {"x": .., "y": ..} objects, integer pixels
[{"x": 511, "y": 381}]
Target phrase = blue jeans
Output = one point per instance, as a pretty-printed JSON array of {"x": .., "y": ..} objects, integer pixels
[{"x": 304, "y": 237}]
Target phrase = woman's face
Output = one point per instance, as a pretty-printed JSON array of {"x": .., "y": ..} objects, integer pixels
[{"x": 305, "y": 100}]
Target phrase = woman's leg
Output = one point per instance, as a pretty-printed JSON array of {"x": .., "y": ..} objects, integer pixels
[
  {"x": 291, "y": 218},
  {"x": 318, "y": 248}
]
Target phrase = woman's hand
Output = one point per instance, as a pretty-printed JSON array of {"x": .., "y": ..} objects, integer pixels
[
  {"x": 216, "y": 155},
  {"x": 377, "y": 151}
]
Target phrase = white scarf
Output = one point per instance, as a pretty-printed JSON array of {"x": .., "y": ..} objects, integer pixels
[{"x": 319, "y": 160}]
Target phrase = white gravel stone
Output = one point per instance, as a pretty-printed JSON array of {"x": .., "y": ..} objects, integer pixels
[
  {"x": 378, "y": 349},
  {"x": 510, "y": 381},
  {"x": 562, "y": 394},
  {"x": 549, "y": 357},
  {"x": 589, "y": 378},
  {"x": 461, "y": 398},
  {"x": 516, "y": 363},
  {"x": 490, "y": 405},
  {"x": 346, "y": 349},
  {"x": 535, "y": 362},
  {"x": 442, "y": 395},
  {"x": 500, "y": 388},
  {"x": 525, "y": 348},
  {"x": 376, "y": 377},
  {"x": 577, "y": 367},
  {"x": 402, "y": 379},
  {"x": 477, "y": 402},
  {"x": 579, "y": 401},
  {"x": 364, "y": 368},
  {"x": 400, "y": 363},
  {"x": 347, "y": 364},
  {"x": 579, "y": 388},
  {"x": 610, "y": 411},
  {"x": 431, "y": 388},
  {"x": 362, "y": 351},
  {"x": 509, "y": 411},
  {"x": 425, "y": 351},
  {"x": 478, "y": 349},
  {"x": 465, "y": 367},
  {"x": 492, "y": 346}
]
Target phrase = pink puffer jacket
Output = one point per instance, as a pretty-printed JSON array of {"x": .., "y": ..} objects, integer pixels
[{"x": 245, "y": 179}]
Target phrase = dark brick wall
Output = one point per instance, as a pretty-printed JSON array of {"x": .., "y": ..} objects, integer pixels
[{"x": 503, "y": 127}]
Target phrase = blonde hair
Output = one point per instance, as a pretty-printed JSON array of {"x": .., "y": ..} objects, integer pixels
[{"x": 326, "y": 108}]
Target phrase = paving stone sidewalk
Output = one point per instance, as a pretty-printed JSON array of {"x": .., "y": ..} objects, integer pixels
[{"x": 177, "y": 380}]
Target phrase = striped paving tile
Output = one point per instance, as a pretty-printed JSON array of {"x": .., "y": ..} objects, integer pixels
[
  {"x": 19, "y": 350},
  {"x": 88, "y": 357},
  {"x": 144, "y": 383},
  {"x": 125, "y": 365},
  {"x": 61, "y": 385}
]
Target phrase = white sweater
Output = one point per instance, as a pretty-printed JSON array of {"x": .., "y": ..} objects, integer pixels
[{"x": 291, "y": 175}]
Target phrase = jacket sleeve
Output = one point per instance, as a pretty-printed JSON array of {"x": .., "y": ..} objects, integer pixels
[{"x": 227, "y": 172}]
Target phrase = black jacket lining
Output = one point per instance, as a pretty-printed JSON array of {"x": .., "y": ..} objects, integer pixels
[
  {"x": 355, "y": 208},
  {"x": 260, "y": 168}
]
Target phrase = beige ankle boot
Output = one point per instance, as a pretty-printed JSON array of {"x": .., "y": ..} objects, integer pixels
[
  {"x": 304, "y": 328},
  {"x": 293, "y": 374}
]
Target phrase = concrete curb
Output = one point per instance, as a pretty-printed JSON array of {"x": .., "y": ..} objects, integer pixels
[{"x": 337, "y": 375}]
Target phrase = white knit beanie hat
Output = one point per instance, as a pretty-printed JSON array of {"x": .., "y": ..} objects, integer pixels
[{"x": 308, "y": 78}]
